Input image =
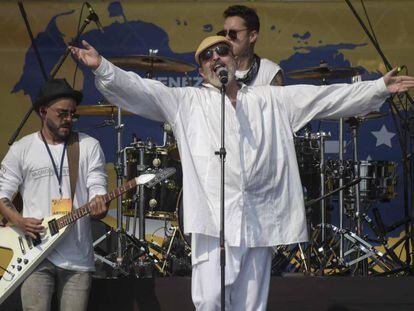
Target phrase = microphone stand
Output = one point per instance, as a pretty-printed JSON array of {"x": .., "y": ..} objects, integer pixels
[
  {"x": 55, "y": 70},
  {"x": 222, "y": 154}
]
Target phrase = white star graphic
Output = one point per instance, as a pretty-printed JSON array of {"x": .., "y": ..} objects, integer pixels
[{"x": 383, "y": 137}]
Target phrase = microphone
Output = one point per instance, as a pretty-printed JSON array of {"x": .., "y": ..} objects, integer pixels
[
  {"x": 223, "y": 75},
  {"x": 94, "y": 17}
]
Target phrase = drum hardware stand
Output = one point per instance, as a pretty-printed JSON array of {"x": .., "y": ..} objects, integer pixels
[
  {"x": 169, "y": 254},
  {"x": 175, "y": 228},
  {"x": 125, "y": 161},
  {"x": 359, "y": 244},
  {"x": 341, "y": 182},
  {"x": 119, "y": 169},
  {"x": 354, "y": 126},
  {"x": 119, "y": 232},
  {"x": 284, "y": 254},
  {"x": 322, "y": 136},
  {"x": 380, "y": 233},
  {"x": 325, "y": 245}
]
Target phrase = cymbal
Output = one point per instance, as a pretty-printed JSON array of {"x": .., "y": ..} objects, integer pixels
[
  {"x": 100, "y": 110},
  {"x": 373, "y": 115},
  {"x": 152, "y": 63},
  {"x": 325, "y": 72},
  {"x": 369, "y": 116}
]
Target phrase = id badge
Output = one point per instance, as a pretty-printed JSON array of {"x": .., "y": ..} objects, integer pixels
[{"x": 61, "y": 206}]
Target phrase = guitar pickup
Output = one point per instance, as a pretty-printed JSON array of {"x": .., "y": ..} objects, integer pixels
[
  {"x": 22, "y": 248},
  {"x": 37, "y": 241},
  {"x": 29, "y": 242},
  {"x": 53, "y": 227}
]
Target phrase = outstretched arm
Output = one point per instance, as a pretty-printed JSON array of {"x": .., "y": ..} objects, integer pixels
[
  {"x": 88, "y": 56},
  {"x": 398, "y": 84}
]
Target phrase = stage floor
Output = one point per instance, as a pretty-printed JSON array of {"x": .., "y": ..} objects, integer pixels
[{"x": 286, "y": 293}]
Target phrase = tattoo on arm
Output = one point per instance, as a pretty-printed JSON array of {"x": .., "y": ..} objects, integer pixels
[
  {"x": 6, "y": 202},
  {"x": 278, "y": 79}
]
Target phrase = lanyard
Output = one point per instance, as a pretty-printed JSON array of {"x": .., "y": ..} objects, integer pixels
[{"x": 58, "y": 174}]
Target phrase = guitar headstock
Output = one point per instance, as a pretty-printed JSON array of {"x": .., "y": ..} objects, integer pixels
[{"x": 152, "y": 178}]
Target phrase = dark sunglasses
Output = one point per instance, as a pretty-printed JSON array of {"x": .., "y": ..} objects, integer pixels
[
  {"x": 221, "y": 50},
  {"x": 231, "y": 33},
  {"x": 64, "y": 114}
]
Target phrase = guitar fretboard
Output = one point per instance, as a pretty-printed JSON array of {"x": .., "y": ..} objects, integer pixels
[{"x": 86, "y": 209}]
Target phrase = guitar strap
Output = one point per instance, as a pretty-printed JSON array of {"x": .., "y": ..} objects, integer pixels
[{"x": 73, "y": 163}]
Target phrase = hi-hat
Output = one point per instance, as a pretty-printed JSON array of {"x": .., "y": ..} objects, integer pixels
[
  {"x": 100, "y": 110},
  {"x": 152, "y": 63},
  {"x": 325, "y": 72}
]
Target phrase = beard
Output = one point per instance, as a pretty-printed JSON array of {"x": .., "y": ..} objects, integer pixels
[
  {"x": 61, "y": 132},
  {"x": 213, "y": 79}
]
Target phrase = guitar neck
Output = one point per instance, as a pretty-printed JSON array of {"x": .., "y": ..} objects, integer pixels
[{"x": 86, "y": 209}]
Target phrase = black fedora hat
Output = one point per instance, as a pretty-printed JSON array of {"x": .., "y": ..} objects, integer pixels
[{"x": 54, "y": 89}]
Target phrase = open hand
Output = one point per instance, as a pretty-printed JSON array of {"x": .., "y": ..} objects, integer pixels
[
  {"x": 87, "y": 56},
  {"x": 398, "y": 84}
]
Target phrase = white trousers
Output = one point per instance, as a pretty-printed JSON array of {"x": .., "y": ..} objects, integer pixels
[{"x": 247, "y": 276}]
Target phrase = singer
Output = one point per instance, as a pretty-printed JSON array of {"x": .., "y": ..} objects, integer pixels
[{"x": 264, "y": 204}]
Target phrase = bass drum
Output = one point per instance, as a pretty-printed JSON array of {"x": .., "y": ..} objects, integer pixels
[{"x": 180, "y": 217}]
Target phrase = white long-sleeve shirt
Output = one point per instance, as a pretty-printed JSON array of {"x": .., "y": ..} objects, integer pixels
[
  {"x": 28, "y": 168},
  {"x": 262, "y": 186}
]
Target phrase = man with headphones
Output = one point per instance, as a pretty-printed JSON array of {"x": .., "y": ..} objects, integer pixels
[{"x": 241, "y": 27}]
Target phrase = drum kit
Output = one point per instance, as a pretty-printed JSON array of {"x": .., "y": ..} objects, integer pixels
[
  {"x": 331, "y": 250},
  {"x": 345, "y": 249}
]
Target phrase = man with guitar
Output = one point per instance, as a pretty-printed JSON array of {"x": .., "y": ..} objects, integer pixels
[{"x": 56, "y": 170}]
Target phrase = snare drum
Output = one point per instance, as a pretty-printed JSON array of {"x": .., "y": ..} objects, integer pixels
[{"x": 379, "y": 180}]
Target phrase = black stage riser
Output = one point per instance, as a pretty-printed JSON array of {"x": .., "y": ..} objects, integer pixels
[{"x": 286, "y": 294}]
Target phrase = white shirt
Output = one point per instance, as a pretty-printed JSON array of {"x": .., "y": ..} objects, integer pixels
[
  {"x": 267, "y": 71},
  {"x": 28, "y": 167},
  {"x": 262, "y": 183}
]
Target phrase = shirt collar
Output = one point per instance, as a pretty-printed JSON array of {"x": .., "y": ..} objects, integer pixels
[{"x": 210, "y": 86}]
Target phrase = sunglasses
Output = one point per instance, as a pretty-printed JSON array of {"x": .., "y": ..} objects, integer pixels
[
  {"x": 231, "y": 33},
  {"x": 221, "y": 50},
  {"x": 64, "y": 114}
]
